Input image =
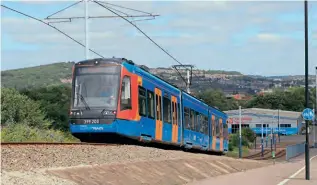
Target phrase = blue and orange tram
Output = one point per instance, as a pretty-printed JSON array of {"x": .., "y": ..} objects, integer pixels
[{"x": 114, "y": 96}]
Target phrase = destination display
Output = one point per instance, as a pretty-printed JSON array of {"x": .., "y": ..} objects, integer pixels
[{"x": 91, "y": 70}]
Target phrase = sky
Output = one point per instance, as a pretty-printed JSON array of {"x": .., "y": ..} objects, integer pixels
[{"x": 253, "y": 37}]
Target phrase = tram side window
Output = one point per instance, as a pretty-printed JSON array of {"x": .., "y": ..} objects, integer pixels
[
  {"x": 225, "y": 131},
  {"x": 142, "y": 101},
  {"x": 126, "y": 94},
  {"x": 204, "y": 124},
  {"x": 158, "y": 107},
  {"x": 198, "y": 122},
  {"x": 187, "y": 118},
  {"x": 192, "y": 120},
  {"x": 150, "y": 100},
  {"x": 214, "y": 126},
  {"x": 201, "y": 123},
  {"x": 167, "y": 110},
  {"x": 174, "y": 113},
  {"x": 207, "y": 125},
  {"x": 178, "y": 114},
  {"x": 217, "y": 127}
]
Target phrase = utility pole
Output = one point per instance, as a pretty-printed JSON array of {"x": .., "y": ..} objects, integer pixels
[
  {"x": 262, "y": 140},
  {"x": 315, "y": 125},
  {"x": 188, "y": 82},
  {"x": 86, "y": 30},
  {"x": 278, "y": 125},
  {"x": 240, "y": 138},
  {"x": 306, "y": 91}
]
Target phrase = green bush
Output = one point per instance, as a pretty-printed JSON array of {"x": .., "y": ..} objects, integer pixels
[
  {"x": 55, "y": 101},
  {"x": 17, "y": 108},
  {"x": 234, "y": 141},
  {"x": 249, "y": 134},
  {"x": 24, "y": 133}
]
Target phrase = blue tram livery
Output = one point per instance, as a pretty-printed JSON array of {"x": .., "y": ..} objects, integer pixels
[{"x": 115, "y": 96}]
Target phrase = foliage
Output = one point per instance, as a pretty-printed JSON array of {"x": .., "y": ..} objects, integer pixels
[
  {"x": 249, "y": 134},
  {"x": 217, "y": 98},
  {"x": 25, "y": 133},
  {"x": 234, "y": 141},
  {"x": 292, "y": 100},
  {"x": 17, "y": 108},
  {"x": 222, "y": 72},
  {"x": 36, "y": 76},
  {"x": 55, "y": 100}
]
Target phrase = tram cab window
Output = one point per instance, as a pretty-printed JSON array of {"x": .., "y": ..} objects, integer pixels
[{"x": 126, "y": 93}]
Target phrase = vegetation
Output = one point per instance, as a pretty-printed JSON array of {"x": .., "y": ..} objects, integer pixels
[
  {"x": 217, "y": 98},
  {"x": 25, "y": 133},
  {"x": 292, "y": 100},
  {"x": 24, "y": 119},
  {"x": 222, "y": 72},
  {"x": 247, "y": 136},
  {"x": 55, "y": 101},
  {"x": 36, "y": 76}
]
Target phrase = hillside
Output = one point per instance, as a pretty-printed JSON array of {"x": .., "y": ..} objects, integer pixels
[
  {"x": 37, "y": 76},
  {"x": 59, "y": 73}
]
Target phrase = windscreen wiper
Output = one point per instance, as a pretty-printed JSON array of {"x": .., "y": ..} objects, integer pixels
[{"x": 84, "y": 101}]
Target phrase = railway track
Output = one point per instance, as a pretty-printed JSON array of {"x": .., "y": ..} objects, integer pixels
[
  {"x": 267, "y": 155},
  {"x": 56, "y": 143}
]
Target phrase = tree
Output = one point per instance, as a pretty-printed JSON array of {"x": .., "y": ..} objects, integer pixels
[
  {"x": 293, "y": 100},
  {"x": 217, "y": 98},
  {"x": 17, "y": 108},
  {"x": 55, "y": 100}
]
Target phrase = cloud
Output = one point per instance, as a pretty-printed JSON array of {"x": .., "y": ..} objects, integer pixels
[
  {"x": 244, "y": 36},
  {"x": 268, "y": 37}
]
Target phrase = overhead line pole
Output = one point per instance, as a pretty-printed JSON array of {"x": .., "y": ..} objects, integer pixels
[
  {"x": 86, "y": 30},
  {"x": 306, "y": 92}
]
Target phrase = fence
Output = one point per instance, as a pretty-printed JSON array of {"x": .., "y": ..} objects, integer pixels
[{"x": 294, "y": 150}]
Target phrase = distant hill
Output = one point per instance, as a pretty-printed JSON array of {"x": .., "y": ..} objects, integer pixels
[
  {"x": 43, "y": 75},
  {"x": 59, "y": 73}
]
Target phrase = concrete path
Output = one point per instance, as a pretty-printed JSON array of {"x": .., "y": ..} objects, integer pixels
[{"x": 290, "y": 173}]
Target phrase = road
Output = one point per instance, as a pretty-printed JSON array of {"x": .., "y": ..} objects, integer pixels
[{"x": 287, "y": 173}]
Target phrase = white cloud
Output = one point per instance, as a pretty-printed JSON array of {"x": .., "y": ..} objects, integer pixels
[
  {"x": 204, "y": 36},
  {"x": 268, "y": 37}
]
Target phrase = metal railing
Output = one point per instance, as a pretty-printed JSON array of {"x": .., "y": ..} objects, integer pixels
[{"x": 295, "y": 150}]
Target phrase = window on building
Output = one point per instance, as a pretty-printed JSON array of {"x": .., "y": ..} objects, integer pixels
[
  {"x": 150, "y": 100},
  {"x": 126, "y": 94},
  {"x": 167, "y": 110}
]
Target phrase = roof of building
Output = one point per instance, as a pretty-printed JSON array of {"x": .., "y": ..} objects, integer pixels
[{"x": 266, "y": 113}]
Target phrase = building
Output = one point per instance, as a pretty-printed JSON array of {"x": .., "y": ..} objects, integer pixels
[{"x": 286, "y": 122}]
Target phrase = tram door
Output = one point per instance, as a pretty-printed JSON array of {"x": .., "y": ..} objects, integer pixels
[
  {"x": 174, "y": 121},
  {"x": 158, "y": 116},
  {"x": 221, "y": 134}
]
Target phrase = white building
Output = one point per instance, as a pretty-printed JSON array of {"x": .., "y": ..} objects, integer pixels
[{"x": 286, "y": 122}]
